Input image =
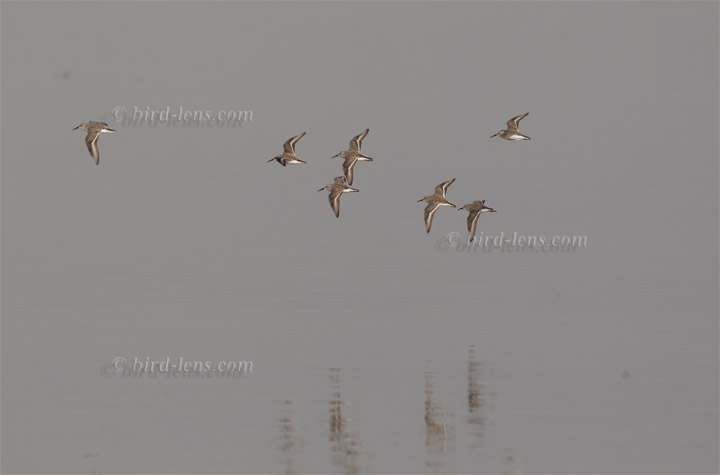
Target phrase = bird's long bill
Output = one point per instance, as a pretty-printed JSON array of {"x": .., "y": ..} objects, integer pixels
[
  {"x": 493, "y": 136},
  {"x": 270, "y": 160},
  {"x": 421, "y": 199},
  {"x": 321, "y": 189},
  {"x": 76, "y": 127},
  {"x": 335, "y": 156}
]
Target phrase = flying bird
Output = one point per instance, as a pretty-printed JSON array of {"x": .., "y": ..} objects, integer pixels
[
  {"x": 475, "y": 208},
  {"x": 435, "y": 201},
  {"x": 336, "y": 189},
  {"x": 512, "y": 132},
  {"x": 288, "y": 155},
  {"x": 94, "y": 129},
  {"x": 352, "y": 155}
]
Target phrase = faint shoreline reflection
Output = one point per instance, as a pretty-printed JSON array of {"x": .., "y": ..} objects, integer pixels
[
  {"x": 344, "y": 441},
  {"x": 437, "y": 430},
  {"x": 290, "y": 441},
  {"x": 477, "y": 399}
]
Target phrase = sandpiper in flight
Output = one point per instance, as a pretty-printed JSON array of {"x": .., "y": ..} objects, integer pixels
[
  {"x": 288, "y": 155},
  {"x": 475, "y": 208},
  {"x": 94, "y": 129},
  {"x": 336, "y": 190},
  {"x": 353, "y": 155},
  {"x": 435, "y": 201},
  {"x": 512, "y": 132}
]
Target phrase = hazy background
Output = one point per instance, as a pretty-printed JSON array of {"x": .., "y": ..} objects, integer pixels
[{"x": 372, "y": 351}]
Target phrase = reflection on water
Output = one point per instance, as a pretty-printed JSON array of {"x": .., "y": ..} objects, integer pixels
[
  {"x": 290, "y": 441},
  {"x": 477, "y": 399},
  {"x": 440, "y": 432},
  {"x": 437, "y": 430},
  {"x": 344, "y": 441}
]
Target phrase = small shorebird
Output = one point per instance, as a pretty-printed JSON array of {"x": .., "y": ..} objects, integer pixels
[
  {"x": 475, "y": 208},
  {"x": 288, "y": 155},
  {"x": 336, "y": 189},
  {"x": 94, "y": 129},
  {"x": 352, "y": 155},
  {"x": 512, "y": 132},
  {"x": 435, "y": 201}
]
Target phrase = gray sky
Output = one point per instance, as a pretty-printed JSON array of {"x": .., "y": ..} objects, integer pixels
[{"x": 185, "y": 242}]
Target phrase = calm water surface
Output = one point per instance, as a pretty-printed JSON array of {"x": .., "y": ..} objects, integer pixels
[{"x": 372, "y": 351}]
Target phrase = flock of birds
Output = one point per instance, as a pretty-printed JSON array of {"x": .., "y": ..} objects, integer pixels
[
  {"x": 351, "y": 156},
  {"x": 340, "y": 184}
]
